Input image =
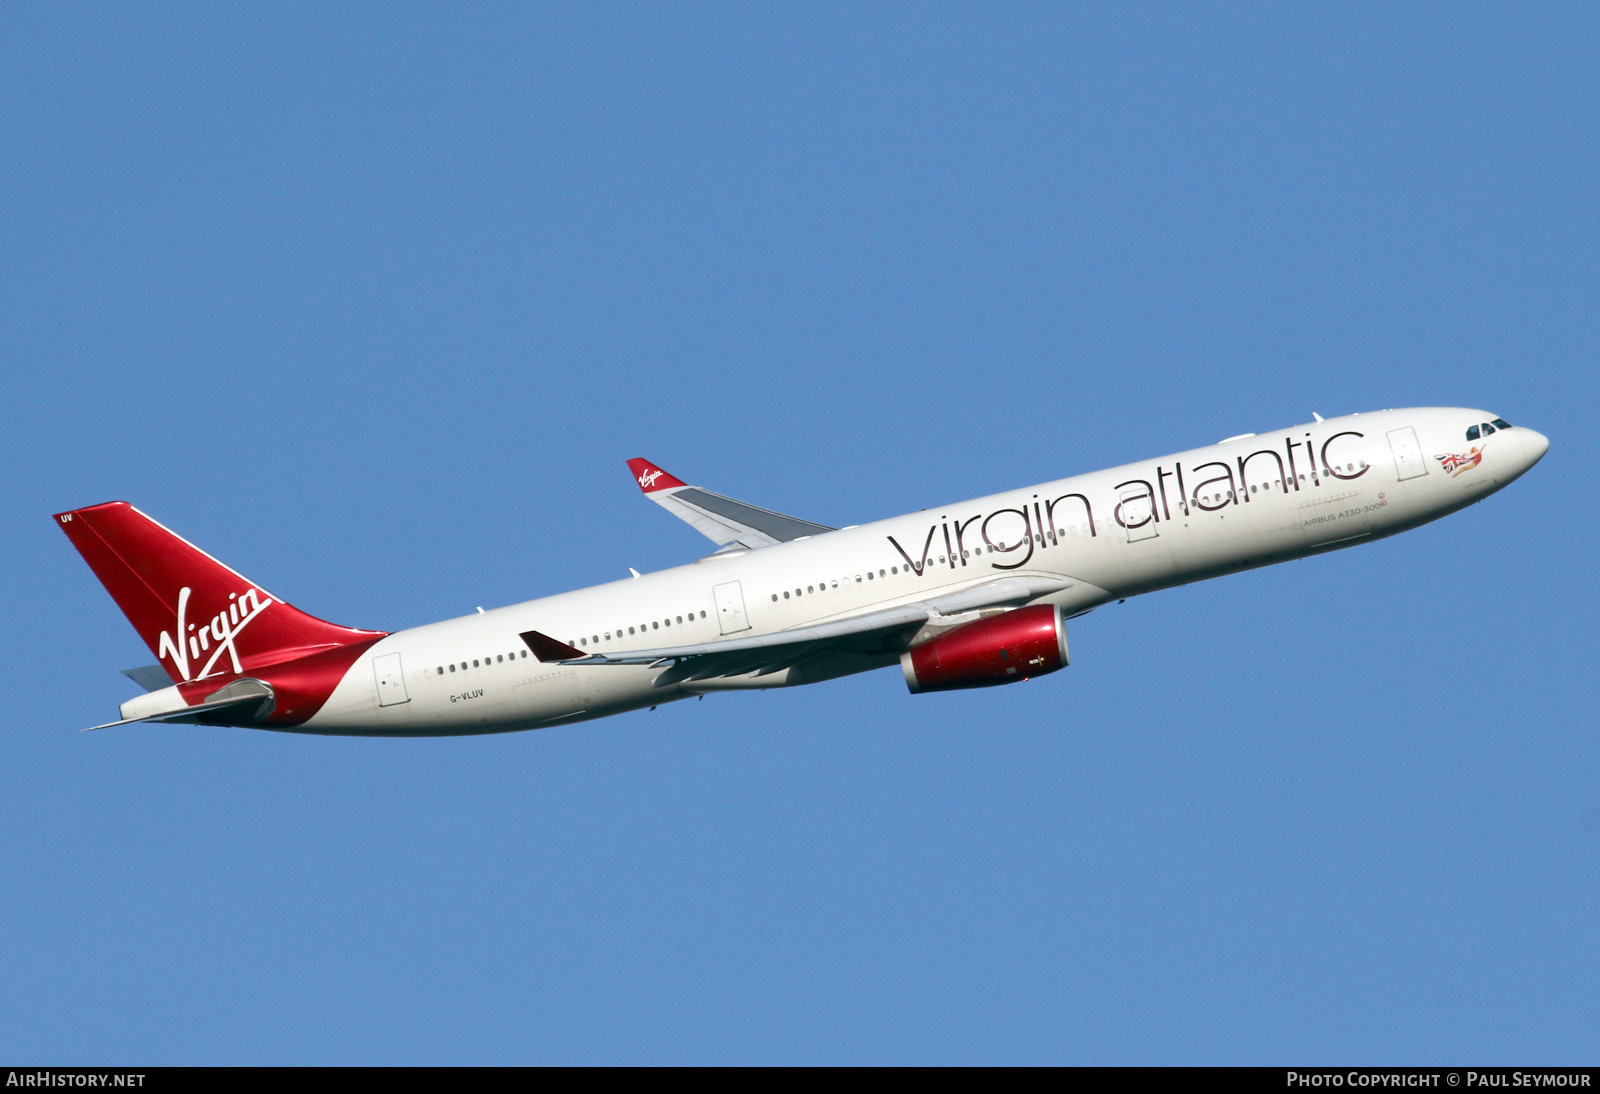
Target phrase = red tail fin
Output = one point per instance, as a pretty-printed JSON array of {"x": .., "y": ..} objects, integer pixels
[{"x": 200, "y": 618}]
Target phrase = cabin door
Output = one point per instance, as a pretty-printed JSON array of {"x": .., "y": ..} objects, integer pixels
[
  {"x": 1407, "y": 453},
  {"x": 730, "y": 608},
  {"x": 391, "y": 681},
  {"x": 1137, "y": 510}
]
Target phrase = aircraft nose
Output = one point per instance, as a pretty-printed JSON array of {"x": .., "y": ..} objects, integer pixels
[{"x": 1534, "y": 445}]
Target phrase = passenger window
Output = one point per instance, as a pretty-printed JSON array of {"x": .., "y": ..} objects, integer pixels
[
  {"x": 452, "y": 666},
  {"x": 441, "y": 670},
  {"x": 1472, "y": 433}
]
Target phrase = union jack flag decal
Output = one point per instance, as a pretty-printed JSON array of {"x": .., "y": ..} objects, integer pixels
[{"x": 1454, "y": 463}]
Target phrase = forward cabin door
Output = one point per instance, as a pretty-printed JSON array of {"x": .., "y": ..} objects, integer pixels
[
  {"x": 730, "y": 607},
  {"x": 1136, "y": 509},
  {"x": 390, "y": 680},
  {"x": 1408, "y": 461}
]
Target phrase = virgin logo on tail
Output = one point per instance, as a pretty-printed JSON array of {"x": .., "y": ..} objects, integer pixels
[
  {"x": 216, "y": 637},
  {"x": 648, "y": 479}
]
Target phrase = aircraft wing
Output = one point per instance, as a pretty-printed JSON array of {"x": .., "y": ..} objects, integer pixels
[
  {"x": 723, "y": 520},
  {"x": 872, "y": 632}
]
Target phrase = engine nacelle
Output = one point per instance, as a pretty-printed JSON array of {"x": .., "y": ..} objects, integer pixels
[{"x": 1018, "y": 645}]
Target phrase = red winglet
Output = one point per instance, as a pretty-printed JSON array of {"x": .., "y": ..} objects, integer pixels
[
  {"x": 650, "y": 477},
  {"x": 548, "y": 649}
]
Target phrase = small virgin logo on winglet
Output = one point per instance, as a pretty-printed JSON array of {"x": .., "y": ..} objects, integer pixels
[{"x": 648, "y": 479}]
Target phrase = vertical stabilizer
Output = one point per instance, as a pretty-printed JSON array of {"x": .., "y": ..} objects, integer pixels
[{"x": 200, "y": 618}]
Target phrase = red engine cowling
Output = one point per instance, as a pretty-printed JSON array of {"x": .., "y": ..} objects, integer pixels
[{"x": 1018, "y": 645}]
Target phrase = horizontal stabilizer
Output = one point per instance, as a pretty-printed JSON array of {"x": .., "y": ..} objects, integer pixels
[
  {"x": 721, "y": 519},
  {"x": 240, "y": 707}
]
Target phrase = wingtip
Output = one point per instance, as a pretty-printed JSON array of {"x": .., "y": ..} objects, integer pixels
[
  {"x": 650, "y": 477},
  {"x": 548, "y": 649}
]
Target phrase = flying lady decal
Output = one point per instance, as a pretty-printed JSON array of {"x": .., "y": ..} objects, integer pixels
[{"x": 1455, "y": 464}]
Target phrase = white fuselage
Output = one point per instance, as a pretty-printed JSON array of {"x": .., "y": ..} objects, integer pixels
[{"x": 1082, "y": 541}]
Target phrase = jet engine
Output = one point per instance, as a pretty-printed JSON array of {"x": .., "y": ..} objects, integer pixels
[{"x": 1018, "y": 645}]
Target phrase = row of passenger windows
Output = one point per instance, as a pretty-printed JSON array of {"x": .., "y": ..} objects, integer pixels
[
  {"x": 1476, "y": 431},
  {"x": 501, "y": 658},
  {"x": 653, "y": 625},
  {"x": 1349, "y": 468},
  {"x": 833, "y": 583},
  {"x": 498, "y": 658}
]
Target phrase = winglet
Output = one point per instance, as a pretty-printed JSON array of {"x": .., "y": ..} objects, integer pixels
[
  {"x": 650, "y": 477},
  {"x": 547, "y": 649}
]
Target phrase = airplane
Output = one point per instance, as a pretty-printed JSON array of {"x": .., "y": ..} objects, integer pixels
[{"x": 967, "y": 595}]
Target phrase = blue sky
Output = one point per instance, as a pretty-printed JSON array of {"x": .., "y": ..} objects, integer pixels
[{"x": 373, "y": 303}]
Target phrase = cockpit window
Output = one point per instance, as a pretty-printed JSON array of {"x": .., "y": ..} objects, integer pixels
[
  {"x": 1472, "y": 432},
  {"x": 1501, "y": 423},
  {"x": 1487, "y": 429}
]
